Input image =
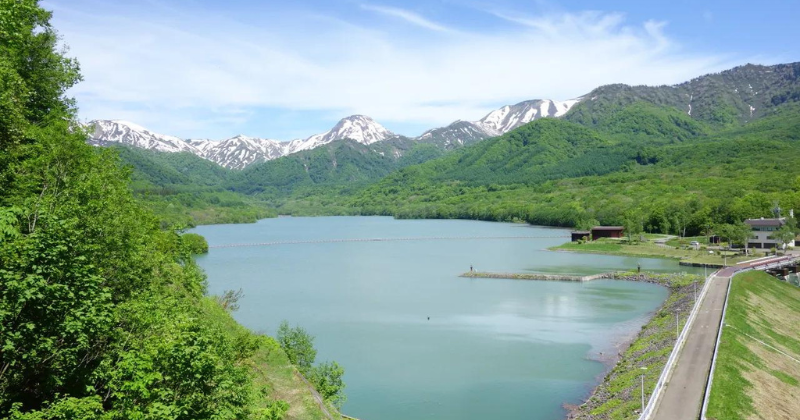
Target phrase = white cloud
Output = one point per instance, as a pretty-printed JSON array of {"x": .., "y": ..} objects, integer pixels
[
  {"x": 407, "y": 16},
  {"x": 169, "y": 70}
]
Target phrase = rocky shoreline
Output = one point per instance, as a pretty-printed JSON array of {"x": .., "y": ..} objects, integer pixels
[{"x": 618, "y": 396}]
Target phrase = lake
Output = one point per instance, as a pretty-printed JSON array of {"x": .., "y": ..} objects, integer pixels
[{"x": 492, "y": 349}]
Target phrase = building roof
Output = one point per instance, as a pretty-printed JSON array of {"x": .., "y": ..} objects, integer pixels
[
  {"x": 766, "y": 222},
  {"x": 580, "y": 232},
  {"x": 608, "y": 228}
]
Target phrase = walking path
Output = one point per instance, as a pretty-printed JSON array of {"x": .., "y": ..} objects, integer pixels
[
  {"x": 684, "y": 391},
  {"x": 683, "y": 395}
]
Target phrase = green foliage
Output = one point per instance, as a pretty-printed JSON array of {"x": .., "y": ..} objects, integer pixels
[
  {"x": 194, "y": 243},
  {"x": 339, "y": 163},
  {"x": 56, "y": 314},
  {"x": 682, "y": 187},
  {"x": 89, "y": 408},
  {"x": 298, "y": 345},
  {"x": 735, "y": 233},
  {"x": 186, "y": 190},
  {"x": 274, "y": 410},
  {"x": 785, "y": 234},
  {"x": 102, "y": 312},
  {"x": 299, "y": 348},
  {"x": 327, "y": 379}
]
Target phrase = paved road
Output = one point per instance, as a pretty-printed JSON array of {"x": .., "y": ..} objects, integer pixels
[
  {"x": 683, "y": 395},
  {"x": 684, "y": 392}
]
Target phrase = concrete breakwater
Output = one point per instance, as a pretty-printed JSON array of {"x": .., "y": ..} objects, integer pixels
[{"x": 538, "y": 276}]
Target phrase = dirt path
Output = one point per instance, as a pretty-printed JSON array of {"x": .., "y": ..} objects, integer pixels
[{"x": 318, "y": 398}]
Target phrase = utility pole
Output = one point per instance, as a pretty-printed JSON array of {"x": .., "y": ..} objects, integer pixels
[
  {"x": 695, "y": 292},
  {"x": 677, "y": 324}
]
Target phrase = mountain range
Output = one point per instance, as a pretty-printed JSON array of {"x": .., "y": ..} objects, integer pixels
[
  {"x": 242, "y": 151},
  {"x": 666, "y": 150}
]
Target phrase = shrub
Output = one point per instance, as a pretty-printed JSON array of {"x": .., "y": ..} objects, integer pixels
[{"x": 194, "y": 243}]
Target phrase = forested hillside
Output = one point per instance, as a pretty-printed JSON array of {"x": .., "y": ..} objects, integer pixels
[
  {"x": 103, "y": 314},
  {"x": 340, "y": 163},
  {"x": 662, "y": 180},
  {"x": 186, "y": 190},
  {"x": 723, "y": 99},
  {"x": 712, "y": 150}
]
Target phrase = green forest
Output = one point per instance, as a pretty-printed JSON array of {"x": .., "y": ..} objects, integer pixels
[{"x": 103, "y": 311}]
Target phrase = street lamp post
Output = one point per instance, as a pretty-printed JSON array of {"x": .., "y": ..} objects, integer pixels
[{"x": 644, "y": 368}]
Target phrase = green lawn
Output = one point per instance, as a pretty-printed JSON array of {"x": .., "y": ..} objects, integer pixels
[
  {"x": 686, "y": 241},
  {"x": 651, "y": 250},
  {"x": 753, "y": 380}
]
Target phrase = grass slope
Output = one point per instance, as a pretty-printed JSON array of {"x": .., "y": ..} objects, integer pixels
[
  {"x": 274, "y": 377},
  {"x": 751, "y": 379}
]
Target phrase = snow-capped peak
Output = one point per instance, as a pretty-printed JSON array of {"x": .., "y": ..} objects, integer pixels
[
  {"x": 360, "y": 128},
  {"x": 240, "y": 151},
  {"x": 510, "y": 117},
  {"x": 497, "y": 122},
  {"x": 118, "y": 131}
]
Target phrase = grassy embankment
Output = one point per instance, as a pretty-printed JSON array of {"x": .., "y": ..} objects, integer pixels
[
  {"x": 652, "y": 250},
  {"x": 619, "y": 395},
  {"x": 752, "y": 379},
  {"x": 273, "y": 375}
]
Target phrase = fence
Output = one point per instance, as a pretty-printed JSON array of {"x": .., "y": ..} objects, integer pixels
[{"x": 652, "y": 403}]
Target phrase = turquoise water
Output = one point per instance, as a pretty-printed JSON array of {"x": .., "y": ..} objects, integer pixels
[{"x": 492, "y": 349}]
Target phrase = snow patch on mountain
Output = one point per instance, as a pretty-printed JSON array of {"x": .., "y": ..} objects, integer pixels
[
  {"x": 497, "y": 122},
  {"x": 241, "y": 151},
  {"x": 360, "y": 128},
  {"x": 124, "y": 132},
  {"x": 510, "y": 117}
]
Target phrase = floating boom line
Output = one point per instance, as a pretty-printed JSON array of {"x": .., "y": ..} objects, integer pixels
[{"x": 420, "y": 238}]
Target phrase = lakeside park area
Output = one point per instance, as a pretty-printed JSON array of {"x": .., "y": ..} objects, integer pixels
[{"x": 664, "y": 246}]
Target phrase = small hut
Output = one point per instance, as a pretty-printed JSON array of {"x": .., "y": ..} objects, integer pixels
[{"x": 607, "y": 232}]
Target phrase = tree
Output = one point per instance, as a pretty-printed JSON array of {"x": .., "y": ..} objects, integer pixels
[
  {"x": 327, "y": 379},
  {"x": 229, "y": 300},
  {"x": 102, "y": 313},
  {"x": 633, "y": 223},
  {"x": 738, "y": 233},
  {"x": 785, "y": 234},
  {"x": 194, "y": 243},
  {"x": 298, "y": 345}
]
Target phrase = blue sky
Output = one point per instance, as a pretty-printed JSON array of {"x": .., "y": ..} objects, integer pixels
[{"x": 285, "y": 70}]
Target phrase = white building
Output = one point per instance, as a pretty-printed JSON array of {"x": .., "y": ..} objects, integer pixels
[{"x": 763, "y": 229}]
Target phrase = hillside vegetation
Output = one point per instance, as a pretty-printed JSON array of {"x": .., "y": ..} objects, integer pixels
[
  {"x": 186, "y": 190},
  {"x": 625, "y": 155},
  {"x": 103, "y": 314},
  {"x": 553, "y": 172}
]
